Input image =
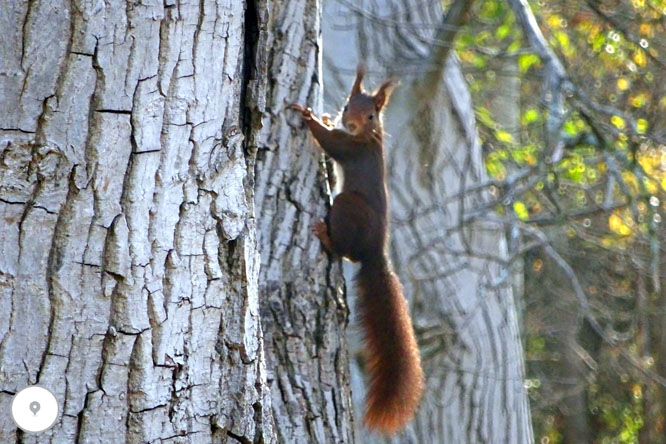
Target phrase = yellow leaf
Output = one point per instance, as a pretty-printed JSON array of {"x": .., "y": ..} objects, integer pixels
[
  {"x": 616, "y": 225},
  {"x": 554, "y": 21},
  {"x": 630, "y": 179},
  {"x": 618, "y": 122},
  {"x": 521, "y": 210},
  {"x": 639, "y": 100},
  {"x": 639, "y": 58},
  {"x": 646, "y": 29},
  {"x": 595, "y": 29},
  {"x": 504, "y": 136},
  {"x": 622, "y": 84},
  {"x": 641, "y": 126}
]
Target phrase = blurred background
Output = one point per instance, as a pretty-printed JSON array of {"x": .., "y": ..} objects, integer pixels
[{"x": 528, "y": 178}]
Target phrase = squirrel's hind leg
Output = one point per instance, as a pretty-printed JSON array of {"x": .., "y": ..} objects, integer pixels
[{"x": 321, "y": 231}]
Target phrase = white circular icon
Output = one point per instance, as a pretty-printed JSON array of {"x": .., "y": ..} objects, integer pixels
[{"x": 34, "y": 409}]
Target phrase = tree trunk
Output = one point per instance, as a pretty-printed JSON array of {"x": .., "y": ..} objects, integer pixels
[
  {"x": 303, "y": 303},
  {"x": 129, "y": 253},
  {"x": 504, "y": 106},
  {"x": 451, "y": 264}
]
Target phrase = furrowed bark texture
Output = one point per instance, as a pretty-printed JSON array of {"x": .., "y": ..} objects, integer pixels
[
  {"x": 304, "y": 310},
  {"x": 449, "y": 262},
  {"x": 129, "y": 263}
]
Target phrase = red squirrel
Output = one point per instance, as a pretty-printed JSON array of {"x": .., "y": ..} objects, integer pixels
[{"x": 356, "y": 228}]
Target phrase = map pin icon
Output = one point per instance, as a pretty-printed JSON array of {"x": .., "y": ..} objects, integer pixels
[{"x": 34, "y": 407}]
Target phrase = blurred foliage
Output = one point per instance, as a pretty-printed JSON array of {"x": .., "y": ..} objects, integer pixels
[{"x": 599, "y": 202}]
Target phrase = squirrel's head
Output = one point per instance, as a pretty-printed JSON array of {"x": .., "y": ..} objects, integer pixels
[{"x": 361, "y": 114}]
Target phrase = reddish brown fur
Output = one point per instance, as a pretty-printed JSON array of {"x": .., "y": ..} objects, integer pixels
[
  {"x": 357, "y": 228},
  {"x": 392, "y": 354}
]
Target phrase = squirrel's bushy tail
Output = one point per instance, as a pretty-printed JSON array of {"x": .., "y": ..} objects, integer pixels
[{"x": 392, "y": 355}]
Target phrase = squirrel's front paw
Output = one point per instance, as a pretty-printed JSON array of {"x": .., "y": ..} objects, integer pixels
[
  {"x": 305, "y": 112},
  {"x": 327, "y": 120}
]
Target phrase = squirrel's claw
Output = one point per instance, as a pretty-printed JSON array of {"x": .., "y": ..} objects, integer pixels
[
  {"x": 295, "y": 107},
  {"x": 305, "y": 112}
]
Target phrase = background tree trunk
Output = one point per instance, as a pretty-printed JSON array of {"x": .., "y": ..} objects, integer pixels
[
  {"x": 129, "y": 264},
  {"x": 451, "y": 265}
]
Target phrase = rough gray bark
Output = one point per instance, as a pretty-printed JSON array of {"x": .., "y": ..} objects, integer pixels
[
  {"x": 450, "y": 263},
  {"x": 303, "y": 303},
  {"x": 129, "y": 264}
]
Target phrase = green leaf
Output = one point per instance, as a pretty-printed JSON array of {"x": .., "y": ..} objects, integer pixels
[
  {"x": 529, "y": 116},
  {"x": 570, "y": 128},
  {"x": 490, "y": 9},
  {"x": 514, "y": 47},
  {"x": 484, "y": 116},
  {"x": 502, "y": 31},
  {"x": 598, "y": 41},
  {"x": 525, "y": 61}
]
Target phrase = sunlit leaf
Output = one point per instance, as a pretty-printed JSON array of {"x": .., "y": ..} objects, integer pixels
[
  {"x": 529, "y": 116},
  {"x": 503, "y": 31},
  {"x": 554, "y": 21},
  {"x": 484, "y": 116},
  {"x": 530, "y": 159},
  {"x": 514, "y": 47},
  {"x": 618, "y": 122},
  {"x": 521, "y": 210},
  {"x": 504, "y": 136},
  {"x": 570, "y": 128},
  {"x": 623, "y": 84},
  {"x": 646, "y": 29},
  {"x": 616, "y": 225},
  {"x": 491, "y": 9},
  {"x": 639, "y": 100},
  {"x": 650, "y": 186},
  {"x": 563, "y": 39},
  {"x": 639, "y": 58},
  {"x": 641, "y": 126},
  {"x": 525, "y": 61},
  {"x": 598, "y": 41}
]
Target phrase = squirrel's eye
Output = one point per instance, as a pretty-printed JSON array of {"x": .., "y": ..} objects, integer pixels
[
  {"x": 345, "y": 109},
  {"x": 371, "y": 116}
]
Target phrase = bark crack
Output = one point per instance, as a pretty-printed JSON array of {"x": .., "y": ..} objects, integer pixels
[
  {"x": 250, "y": 37},
  {"x": 238, "y": 438}
]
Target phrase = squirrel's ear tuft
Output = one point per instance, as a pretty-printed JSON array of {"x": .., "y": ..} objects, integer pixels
[
  {"x": 358, "y": 82},
  {"x": 383, "y": 93}
]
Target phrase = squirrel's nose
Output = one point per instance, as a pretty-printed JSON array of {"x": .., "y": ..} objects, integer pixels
[{"x": 352, "y": 127}]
